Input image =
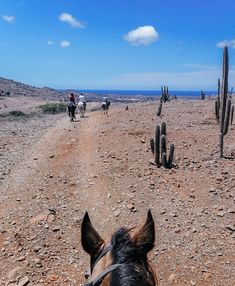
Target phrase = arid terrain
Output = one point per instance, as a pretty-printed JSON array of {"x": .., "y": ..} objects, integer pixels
[{"x": 53, "y": 170}]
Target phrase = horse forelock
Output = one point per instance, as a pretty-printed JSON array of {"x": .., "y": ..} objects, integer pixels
[
  {"x": 123, "y": 248},
  {"x": 134, "y": 269}
]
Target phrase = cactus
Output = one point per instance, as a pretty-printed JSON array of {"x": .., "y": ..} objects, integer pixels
[
  {"x": 165, "y": 93},
  {"x": 157, "y": 146},
  {"x": 152, "y": 145},
  {"x": 160, "y": 150},
  {"x": 217, "y": 110},
  {"x": 227, "y": 116},
  {"x": 163, "y": 145},
  {"x": 225, "y": 109},
  {"x": 163, "y": 128},
  {"x": 203, "y": 95},
  {"x": 232, "y": 112},
  {"x": 171, "y": 154},
  {"x": 159, "y": 108},
  {"x": 217, "y": 103}
]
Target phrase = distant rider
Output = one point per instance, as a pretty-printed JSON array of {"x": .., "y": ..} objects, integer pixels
[
  {"x": 106, "y": 100},
  {"x": 83, "y": 100},
  {"x": 72, "y": 97},
  {"x": 72, "y": 106}
]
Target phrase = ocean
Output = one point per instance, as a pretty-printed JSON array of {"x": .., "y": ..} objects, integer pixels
[{"x": 178, "y": 93}]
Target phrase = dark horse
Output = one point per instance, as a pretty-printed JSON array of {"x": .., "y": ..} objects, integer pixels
[
  {"x": 105, "y": 106},
  {"x": 71, "y": 109},
  {"x": 123, "y": 261}
]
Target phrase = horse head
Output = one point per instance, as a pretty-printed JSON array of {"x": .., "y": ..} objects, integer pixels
[{"x": 123, "y": 260}]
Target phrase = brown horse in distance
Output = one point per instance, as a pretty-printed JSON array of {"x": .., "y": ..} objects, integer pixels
[{"x": 123, "y": 261}]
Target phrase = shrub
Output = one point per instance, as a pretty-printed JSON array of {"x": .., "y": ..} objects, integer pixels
[
  {"x": 16, "y": 113},
  {"x": 53, "y": 107}
]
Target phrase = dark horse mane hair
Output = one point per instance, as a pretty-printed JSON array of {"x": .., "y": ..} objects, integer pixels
[{"x": 134, "y": 267}]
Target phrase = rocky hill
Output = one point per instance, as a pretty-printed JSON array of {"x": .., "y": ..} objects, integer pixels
[{"x": 14, "y": 88}]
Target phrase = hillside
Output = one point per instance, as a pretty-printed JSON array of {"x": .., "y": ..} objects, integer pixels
[
  {"x": 14, "y": 88},
  {"x": 10, "y": 87}
]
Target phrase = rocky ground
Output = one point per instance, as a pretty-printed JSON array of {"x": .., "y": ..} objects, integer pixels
[{"x": 52, "y": 171}]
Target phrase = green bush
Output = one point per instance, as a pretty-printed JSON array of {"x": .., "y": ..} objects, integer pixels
[
  {"x": 53, "y": 107},
  {"x": 16, "y": 113}
]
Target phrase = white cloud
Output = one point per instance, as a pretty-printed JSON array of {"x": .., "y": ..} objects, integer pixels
[
  {"x": 65, "y": 44},
  {"x": 8, "y": 19},
  {"x": 69, "y": 19},
  {"x": 228, "y": 43},
  {"x": 142, "y": 36},
  {"x": 50, "y": 43}
]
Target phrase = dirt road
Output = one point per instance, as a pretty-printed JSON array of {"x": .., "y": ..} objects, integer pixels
[{"x": 101, "y": 164}]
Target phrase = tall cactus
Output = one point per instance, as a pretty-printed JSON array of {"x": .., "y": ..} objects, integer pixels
[
  {"x": 159, "y": 148},
  {"x": 232, "y": 112},
  {"x": 225, "y": 103},
  {"x": 217, "y": 102},
  {"x": 159, "y": 108}
]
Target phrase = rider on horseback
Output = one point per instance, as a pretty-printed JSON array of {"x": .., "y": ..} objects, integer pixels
[
  {"x": 72, "y": 106},
  {"x": 105, "y": 104},
  {"x": 72, "y": 98},
  {"x": 105, "y": 99},
  {"x": 83, "y": 100}
]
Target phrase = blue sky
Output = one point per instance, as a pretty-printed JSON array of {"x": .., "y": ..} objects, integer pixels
[{"x": 117, "y": 44}]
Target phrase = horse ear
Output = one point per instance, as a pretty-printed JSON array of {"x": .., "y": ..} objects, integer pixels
[
  {"x": 145, "y": 237},
  {"x": 91, "y": 240}
]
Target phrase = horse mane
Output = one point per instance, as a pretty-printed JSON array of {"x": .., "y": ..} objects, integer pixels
[{"x": 134, "y": 267}]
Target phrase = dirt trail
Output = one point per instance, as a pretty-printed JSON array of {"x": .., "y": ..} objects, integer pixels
[
  {"x": 58, "y": 180},
  {"x": 101, "y": 164}
]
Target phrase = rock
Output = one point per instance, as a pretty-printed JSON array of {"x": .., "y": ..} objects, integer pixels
[
  {"x": 172, "y": 277},
  {"x": 56, "y": 228},
  {"x": 23, "y": 281},
  {"x": 37, "y": 263},
  {"x": 231, "y": 227},
  {"x": 221, "y": 213},
  {"x": 21, "y": 258},
  {"x": 117, "y": 213},
  {"x": 177, "y": 230}
]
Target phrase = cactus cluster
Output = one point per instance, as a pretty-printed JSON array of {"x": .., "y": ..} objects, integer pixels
[
  {"x": 223, "y": 106},
  {"x": 159, "y": 149},
  {"x": 203, "y": 95},
  {"x": 165, "y": 94}
]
